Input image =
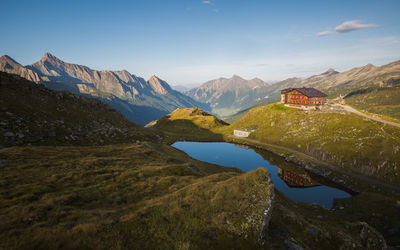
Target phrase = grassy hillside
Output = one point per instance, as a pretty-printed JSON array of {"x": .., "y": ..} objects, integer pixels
[
  {"x": 120, "y": 196},
  {"x": 233, "y": 118},
  {"x": 295, "y": 222},
  {"x": 344, "y": 139},
  {"x": 189, "y": 124},
  {"x": 384, "y": 101}
]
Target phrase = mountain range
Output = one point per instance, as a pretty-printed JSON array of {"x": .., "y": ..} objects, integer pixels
[
  {"x": 227, "y": 96},
  {"x": 371, "y": 88},
  {"x": 379, "y": 85},
  {"x": 337, "y": 84},
  {"x": 139, "y": 100}
]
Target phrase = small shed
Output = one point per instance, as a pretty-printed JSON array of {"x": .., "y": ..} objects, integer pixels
[{"x": 241, "y": 133}]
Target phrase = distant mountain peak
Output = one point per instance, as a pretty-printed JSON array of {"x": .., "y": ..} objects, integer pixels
[
  {"x": 330, "y": 72},
  {"x": 158, "y": 85},
  {"x": 154, "y": 78},
  {"x": 8, "y": 59},
  {"x": 370, "y": 65},
  {"x": 236, "y": 77},
  {"x": 50, "y": 58}
]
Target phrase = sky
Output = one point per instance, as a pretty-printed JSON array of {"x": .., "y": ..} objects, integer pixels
[{"x": 188, "y": 42}]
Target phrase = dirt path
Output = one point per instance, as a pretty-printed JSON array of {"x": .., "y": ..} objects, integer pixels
[
  {"x": 325, "y": 164},
  {"x": 352, "y": 110}
]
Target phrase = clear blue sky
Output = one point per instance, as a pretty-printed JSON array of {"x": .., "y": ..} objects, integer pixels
[{"x": 192, "y": 41}]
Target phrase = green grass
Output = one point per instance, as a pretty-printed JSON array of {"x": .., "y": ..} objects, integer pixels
[
  {"x": 344, "y": 139},
  {"x": 189, "y": 124},
  {"x": 119, "y": 196},
  {"x": 382, "y": 101}
]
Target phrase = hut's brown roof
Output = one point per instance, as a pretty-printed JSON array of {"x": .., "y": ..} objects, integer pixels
[{"x": 309, "y": 92}]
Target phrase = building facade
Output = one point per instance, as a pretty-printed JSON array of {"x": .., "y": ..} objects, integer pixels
[{"x": 304, "y": 98}]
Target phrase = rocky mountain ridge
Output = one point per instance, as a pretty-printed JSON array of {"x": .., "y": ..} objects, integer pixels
[
  {"x": 342, "y": 83},
  {"x": 368, "y": 86},
  {"x": 122, "y": 90}
]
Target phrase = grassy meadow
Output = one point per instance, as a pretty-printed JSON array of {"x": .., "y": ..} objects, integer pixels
[{"x": 124, "y": 197}]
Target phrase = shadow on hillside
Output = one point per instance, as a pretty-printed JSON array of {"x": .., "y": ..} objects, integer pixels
[
  {"x": 187, "y": 130},
  {"x": 135, "y": 113}
]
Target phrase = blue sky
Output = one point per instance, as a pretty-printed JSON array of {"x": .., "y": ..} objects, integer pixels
[{"x": 192, "y": 41}]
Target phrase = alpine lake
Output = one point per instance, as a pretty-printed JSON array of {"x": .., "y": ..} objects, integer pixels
[{"x": 288, "y": 178}]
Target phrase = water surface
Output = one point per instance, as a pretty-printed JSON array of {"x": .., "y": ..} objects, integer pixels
[{"x": 288, "y": 178}]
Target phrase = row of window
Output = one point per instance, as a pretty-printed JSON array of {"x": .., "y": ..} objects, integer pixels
[
  {"x": 297, "y": 97},
  {"x": 301, "y": 97},
  {"x": 306, "y": 102}
]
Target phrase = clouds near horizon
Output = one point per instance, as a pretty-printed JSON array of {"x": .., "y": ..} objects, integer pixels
[
  {"x": 353, "y": 25},
  {"x": 324, "y": 33},
  {"x": 346, "y": 27}
]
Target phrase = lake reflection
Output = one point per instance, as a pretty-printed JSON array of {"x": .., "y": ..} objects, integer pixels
[
  {"x": 288, "y": 178},
  {"x": 296, "y": 180}
]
